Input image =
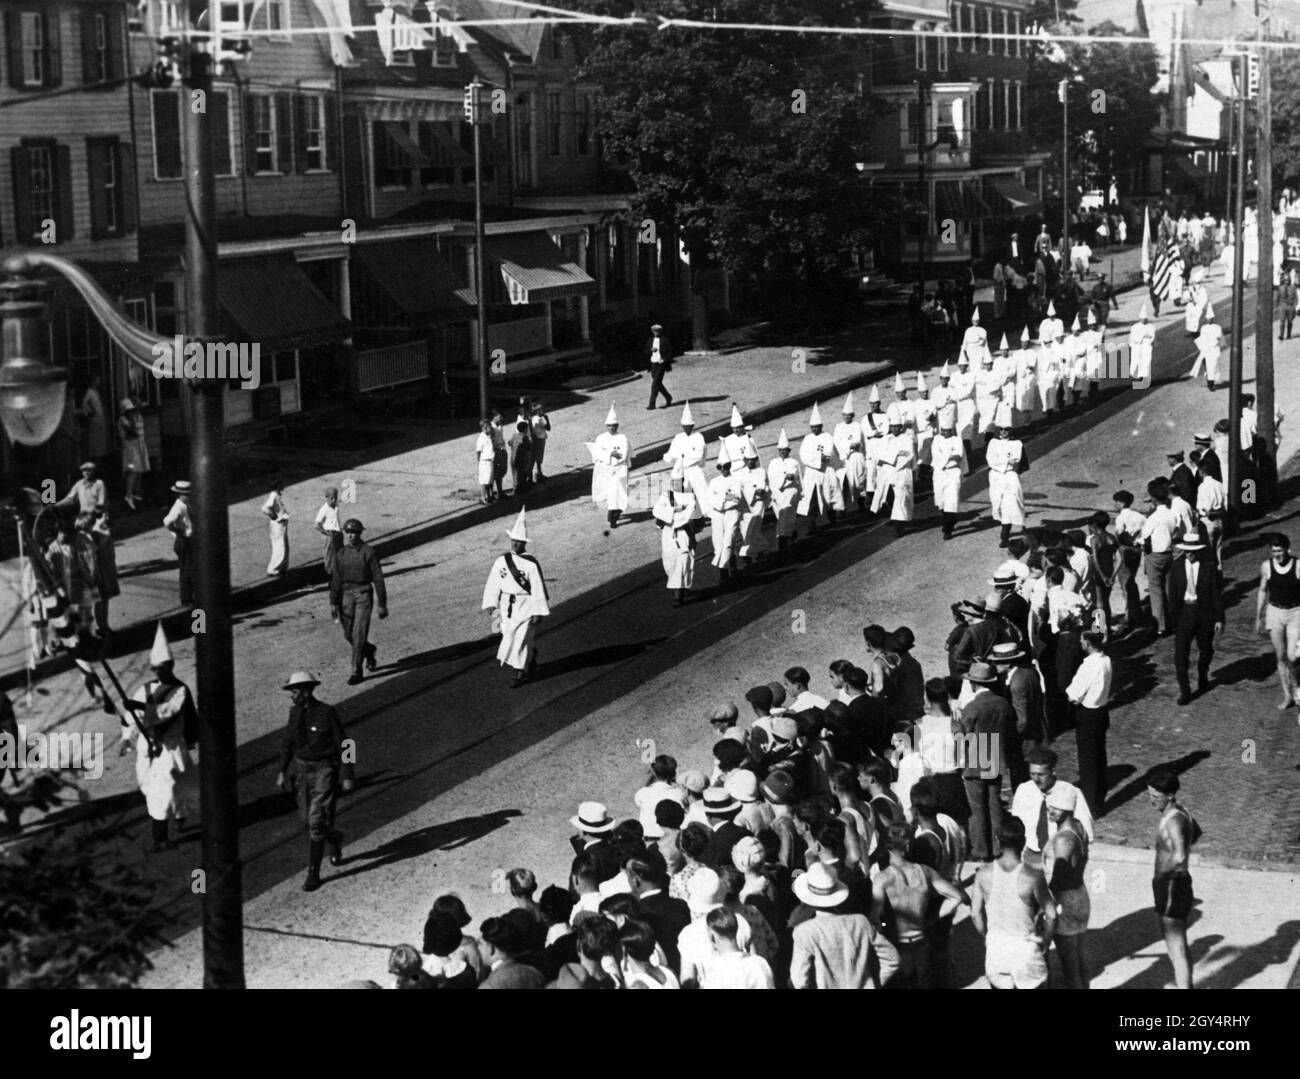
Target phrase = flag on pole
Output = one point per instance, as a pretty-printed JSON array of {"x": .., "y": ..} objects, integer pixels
[
  {"x": 1145, "y": 264},
  {"x": 1163, "y": 271}
]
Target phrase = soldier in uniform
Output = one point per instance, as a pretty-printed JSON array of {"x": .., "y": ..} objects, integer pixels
[
  {"x": 848, "y": 444},
  {"x": 516, "y": 591},
  {"x": 314, "y": 754},
  {"x": 163, "y": 735},
  {"x": 356, "y": 586},
  {"x": 784, "y": 481},
  {"x": 821, "y": 489}
]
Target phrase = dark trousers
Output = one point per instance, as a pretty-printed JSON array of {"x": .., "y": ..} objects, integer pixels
[
  {"x": 985, "y": 797},
  {"x": 1157, "y": 571},
  {"x": 1284, "y": 322},
  {"x": 183, "y": 546},
  {"x": 1195, "y": 626},
  {"x": 1090, "y": 726},
  {"x": 657, "y": 385},
  {"x": 354, "y": 615}
]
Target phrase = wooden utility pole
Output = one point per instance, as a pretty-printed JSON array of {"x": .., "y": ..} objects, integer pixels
[
  {"x": 1242, "y": 63},
  {"x": 1264, "y": 180}
]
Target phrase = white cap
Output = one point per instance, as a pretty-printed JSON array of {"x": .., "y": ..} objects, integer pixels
[
  {"x": 874, "y": 399},
  {"x": 899, "y": 386},
  {"x": 783, "y": 443},
  {"x": 1002, "y": 415},
  {"x": 724, "y": 458},
  {"x": 945, "y": 371},
  {"x": 1004, "y": 347},
  {"x": 1051, "y": 309},
  {"x": 1075, "y": 327},
  {"x": 975, "y": 315},
  {"x": 612, "y": 417},
  {"x": 736, "y": 420},
  {"x": 847, "y": 408},
  {"x": 520, "y": 530},
  {"x": 921, "y": 386},
  {"x": 161, "y": 652},
  {"x": 815, "y": 416},
  {"x": 1024, "y": 334},
  {"x": 687, "y": 419}
]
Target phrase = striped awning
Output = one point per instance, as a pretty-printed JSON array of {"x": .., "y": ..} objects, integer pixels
[
  {"x": 1012, "y": 198},
  {"x": 958, "y": 199},
  {"x": 534, "y": 269}
]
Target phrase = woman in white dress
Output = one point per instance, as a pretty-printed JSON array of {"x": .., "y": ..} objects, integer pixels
[{"x": 274, "y": 508}]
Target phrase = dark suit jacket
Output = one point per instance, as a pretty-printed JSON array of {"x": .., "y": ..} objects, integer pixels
[
  {"x": 1025, "y": 695},
  {"x": 1211, "y": 465},
  {"x": 667, "y": 917},
  {"x": 988, "y": 714},
  {"x": 665, "y": 348},
  {"x": 1182, "y": 481},
  {"x": 976, "y": 643},
  {"x": 1015, "y": 609},
  {"x": 1209, "y": 590},
  {"x": 724, "y": 838},
  {"x": 514, "y": 975},
  {"x": 867, "y": 721}
]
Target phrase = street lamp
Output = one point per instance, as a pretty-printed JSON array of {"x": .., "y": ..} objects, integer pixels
[{"x": 32, "y": 393}]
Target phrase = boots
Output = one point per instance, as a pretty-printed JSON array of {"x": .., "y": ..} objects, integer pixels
[
  {"x": 316, "y": 851},
  {"x": 335, "y": 845},
  {"x": 613, "y": 518},
  {"x": 159, "y": 836},
  {"x": 680, "y": 597},
  {"x": 949, "y": 523},
  {"x": 1006, "y": 536}
]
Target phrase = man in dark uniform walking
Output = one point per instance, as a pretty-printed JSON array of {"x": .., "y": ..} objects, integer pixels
[
  {"x": 661, "y": 359},
  {"x": 316, "y": 753},
  {"x": 356, "y": 585}
]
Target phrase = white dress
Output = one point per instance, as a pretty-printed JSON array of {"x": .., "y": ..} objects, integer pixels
[
  {"x": 1141, "y": 344},
  {"x": 609, "y": 474},
  {"x": 273, "y": 507},
  {"x": 988, "y": 394},
  {"x": 963, "y": 392},
  {"x": 518, "y": 602},
  {"x": 1209, "y": 347},
  {"x": 848, "y": 444},
  {"x": 755, "y": 496},
  {"x": 896, "y": 474},
  {"x": 784, "y": 481},
  {"x": 820, "y": 462}
]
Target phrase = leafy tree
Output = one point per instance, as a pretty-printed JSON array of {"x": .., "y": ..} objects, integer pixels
[
  {"x": 744, "y": 144},
  {"x": 1286, "y": 119}
]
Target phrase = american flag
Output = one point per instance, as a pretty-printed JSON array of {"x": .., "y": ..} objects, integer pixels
[{"x": 1163, "y": 271}]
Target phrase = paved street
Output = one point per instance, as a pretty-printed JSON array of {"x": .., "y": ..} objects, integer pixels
[{"x": 460, "y": 777}]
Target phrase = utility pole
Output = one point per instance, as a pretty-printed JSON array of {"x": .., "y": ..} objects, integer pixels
[
  {"x": 1264, "y": 208},
  {"x": 474, "y": 115},
  {"x": 1238, "y": 295},
  {"x": 922, "y": 151},
  {"x": 223, "y": 922},
  {"x": 1065, "y": 165}
]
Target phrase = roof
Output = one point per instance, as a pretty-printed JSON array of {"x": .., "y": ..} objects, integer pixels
[
  {"x": 534, "y": 268},
  {"x": 272, "y": 302}
]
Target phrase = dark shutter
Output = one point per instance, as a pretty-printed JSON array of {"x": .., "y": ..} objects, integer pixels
[
  {"x": 126, "y": 186},
  {"x": 65, "y": 219},
  {"x": 14, "y": 35},
  {"x": 250, "y": 134},
  {"x": 219, "y": 116},
  {"x": 23, "y": 226},
  {"x": 166, "y": 133},
  {"x": 331, "y": 134},
  {"x": 284, "y": 131},
  {"x": 89, "y": 53},
  {"x": 97, "y": 150},
  {"x": 116, "y": 44},
  {"x": 53, "y": 56},
  {"x": 300, "y": 132}
]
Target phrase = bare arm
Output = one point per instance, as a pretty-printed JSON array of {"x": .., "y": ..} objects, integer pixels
[
  {"x": 1261, "y": 597},
  {"x": 953, "y": 895},
  {"x": 977, "y": 904}
]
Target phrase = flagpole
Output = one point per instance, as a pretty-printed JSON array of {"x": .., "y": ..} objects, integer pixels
[{"x": 27, "y": 602}]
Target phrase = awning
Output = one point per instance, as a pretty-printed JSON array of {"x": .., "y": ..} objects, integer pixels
[
  {"x": 958, "y": 200},
  {"x": 412, "y": 274},
  {"x": 534, "y": 269},
  {"x": 1012, "y": 198},
  {"x": 398, "y": 137},
  {"x": 1186, "y": 168},
  {"x": 272, "y": 302}
]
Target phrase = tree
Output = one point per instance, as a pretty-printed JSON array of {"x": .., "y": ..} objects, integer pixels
[
  {"x": 1111, "y": 105},
  {"x": 1286, "y": 119},
  {"x": 743, "y": 144}
]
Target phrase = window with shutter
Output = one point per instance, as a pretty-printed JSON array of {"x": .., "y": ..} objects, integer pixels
[
  {"x": 330, "y": 136},
  {"x": 583, "y": 134},
  {"x": 24, "y": 229},
  {"x": 64, "y": 214},
  {"x": 166, "y": 112},
  {"x": 94, "y": 46},
  {"x": 31, "y": 50},
  {"x": 51, "y": 56},
  {"x": 555, "y": 122},
  {"x": 263, "y": 135},
  {"x": 101, "y": 171},
  {"x": 125, "y": 154},
  {"x": 284, "y": 131},
  {"x": 300, "y": 132}
]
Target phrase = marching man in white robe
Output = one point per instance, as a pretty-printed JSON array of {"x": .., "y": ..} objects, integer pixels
[
  {"x": 1094, "y": 358},
  {"x": 821, "y": 493},
  {"x": 1141, "y": 346},
  {"x": 1052, "y": 371},
  {"x": 1209, "y": 348},
  {"x": 786, "y": 485},
  {"x": 895, "y": 480},
  {"x": 755, "y": 498},
  {"x": 988, "y": 393},
  {"x": 675, "y": 512},
  {"x": 163, "y": 735},
  {"x": 688, "y": 450},
  {"x": 1076, "y": 350},
  {"x": 610, "y": 456},
  {"x": 1006, "y": 459},
  {"x": 725, "y": 499},
  {"x": 516, "y": 592},
  {"x": 735, "y": 441},
  {"x": 942, "y": 394},
  {"x": 849, "y": 445},
  {"x": 1026, "y": 385},
  {"x": 875, "y": 427},
  {"x": 948, "y": 462},
  {"x": 974, "y": 342},
  {"x": 923, "y": 414},
  {"x": 1051, "y": 327},
  {"x": 1197, "y": 301},
  {"x": 963, "y": 391},
  {"x": 904, "y": 408}
]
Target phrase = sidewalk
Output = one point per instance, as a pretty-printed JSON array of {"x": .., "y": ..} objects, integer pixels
[{"x": 424, "y": 493}]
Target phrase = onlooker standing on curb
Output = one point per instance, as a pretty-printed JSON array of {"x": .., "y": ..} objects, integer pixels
[
  {"x": 135, "y": 451},
  {"x": 1196, "y": 611},
  {"x": 661, "y": 362},
  {"x": 485, "y": 455},
  {"x": 178, "y": 523},
  {"x": 1089, "y": 692},
  {"x": 313, "y": 753},
  {"x": 1286, "y": 304},
  {"x": 1007, "y": 900},
  {"x": 540, "y": 423},
  {"x": 500, "y": 455},
  {"x": 278, "y": 515},
  {"x": 1065, "y": 860},
  {"x": 106, "y": 555},
  {"x": 327, "y": 524},
  {"x": 1158, "y": 535},
  {"x": 520, "y": 446},
  {"x": 1172, "y": 884}
]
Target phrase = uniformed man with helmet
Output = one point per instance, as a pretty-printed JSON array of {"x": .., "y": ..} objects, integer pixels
[{"x": 356, "y": 587}]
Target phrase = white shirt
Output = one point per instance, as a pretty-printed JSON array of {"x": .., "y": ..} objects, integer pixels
[
  {"x": 1159, "y": 528},
  {"x": 1129, "y": 522},
  {"x": 1090, "y": 687},
  {"x": 736, "y": 970},
  {"x": 650, "y": 796},
  {"x": 1211, "y": 496},
  {"x": 694, "y": 946},
  {"x": 1183, "y": 511},
  {"x": 1193, "y": 574},
  {"x": 328, "y": 516},
  {"x": 806, "y": 700},
  {"x": 482, "y": 447},
  {"x": 179, "y": 517},
  {"x": 1027, "y": 803},
  {"x": 1062, "y": 602}
]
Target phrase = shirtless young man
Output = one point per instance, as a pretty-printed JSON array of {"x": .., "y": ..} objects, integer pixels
[
  {"x": 1008, "y": 899},
  {"x": 1172, "y": 884},
  {"x": 1065, "y": 859},
  {"x": 906, "y": 890},
  {"x": 1277, "y": 611}
]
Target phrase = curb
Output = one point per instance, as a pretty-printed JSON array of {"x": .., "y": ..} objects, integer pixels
[{"x": 176, "y": 622}]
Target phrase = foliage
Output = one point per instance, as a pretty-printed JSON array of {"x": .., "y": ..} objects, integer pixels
[
  {"x": 1111, "y": 107},
  {"x": 1286, "y": 119},
  {"x": 72, "y": 916},
  {"x": 709, "y": 128}
]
